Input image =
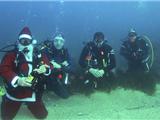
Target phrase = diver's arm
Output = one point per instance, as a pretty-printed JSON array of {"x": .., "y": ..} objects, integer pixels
[
  {"x": 7, "y": 70},
  {"x": 82, "y": 59},
  {"x": 66, "y": 65},
  {"x": 124, "y": 51},
  {"x": 111, "y": 61}
]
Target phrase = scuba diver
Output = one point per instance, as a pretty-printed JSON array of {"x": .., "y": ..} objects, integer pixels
[
  {"x": 136, "y": 51},
  {"x": 24, "y": 70},
  {"x": 98, "y": 61},
  {"x": 59, "y": 57}
]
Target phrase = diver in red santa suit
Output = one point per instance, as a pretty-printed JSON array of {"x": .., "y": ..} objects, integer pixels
[{"x": 17, "y": 69}]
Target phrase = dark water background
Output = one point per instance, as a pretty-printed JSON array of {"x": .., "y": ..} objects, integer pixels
[{"x": 78, "y": 21}]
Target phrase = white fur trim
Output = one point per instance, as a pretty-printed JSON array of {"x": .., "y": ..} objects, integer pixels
[
  {"x": 29, "y": 99},
  {"x": 25, "y": 36},
  {"x": 14, "y": 81},
  {"x": 30, "y": 69},
  {"x": 34, "y": 42},
  {"x": 29, "y": 58}
]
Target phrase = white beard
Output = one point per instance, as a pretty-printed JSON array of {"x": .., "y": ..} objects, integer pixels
[{"x": 28, "y": 55}]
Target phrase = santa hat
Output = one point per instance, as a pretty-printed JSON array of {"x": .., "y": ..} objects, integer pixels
[{"x": 25, "y": 33}]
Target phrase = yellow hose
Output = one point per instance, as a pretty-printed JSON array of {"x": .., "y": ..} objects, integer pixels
[{"x": 2, "y": 91}]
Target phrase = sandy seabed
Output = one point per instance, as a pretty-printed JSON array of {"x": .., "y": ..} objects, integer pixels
[{"x": 119, "y": 104}]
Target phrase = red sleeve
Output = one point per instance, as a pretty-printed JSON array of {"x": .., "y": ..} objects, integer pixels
[{"x": 7, "y": 70}]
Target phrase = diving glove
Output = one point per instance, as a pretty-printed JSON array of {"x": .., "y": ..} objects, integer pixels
[
  {"x": 24, "y": 82},
  {"x": 96, "y": 72},
  {"x": 101, "y": 72},
  {"x": 65, "y": 63},
  {"x": 55, "y": 65},
  {"x": 42, "y": 69}
]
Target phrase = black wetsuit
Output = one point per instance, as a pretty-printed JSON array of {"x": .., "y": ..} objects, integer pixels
[
  {"x": 97, "y": 57},
  {"x": 56, "y": 79},
  {"x": 137, "y": 54}
]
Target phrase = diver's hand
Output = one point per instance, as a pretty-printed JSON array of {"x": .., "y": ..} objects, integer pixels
[
  {"x": 42, "y": 69},
  {"x": 56, "y": 65},
  {"x": 65, "y": 63},
  {"x": 24, "y": 82},
  {"x": 101, "y": 72},
  {"x": 95, "y": 72}
]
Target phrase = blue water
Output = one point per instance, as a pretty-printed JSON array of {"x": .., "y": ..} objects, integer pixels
[{"x": 79, "y": 20}]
